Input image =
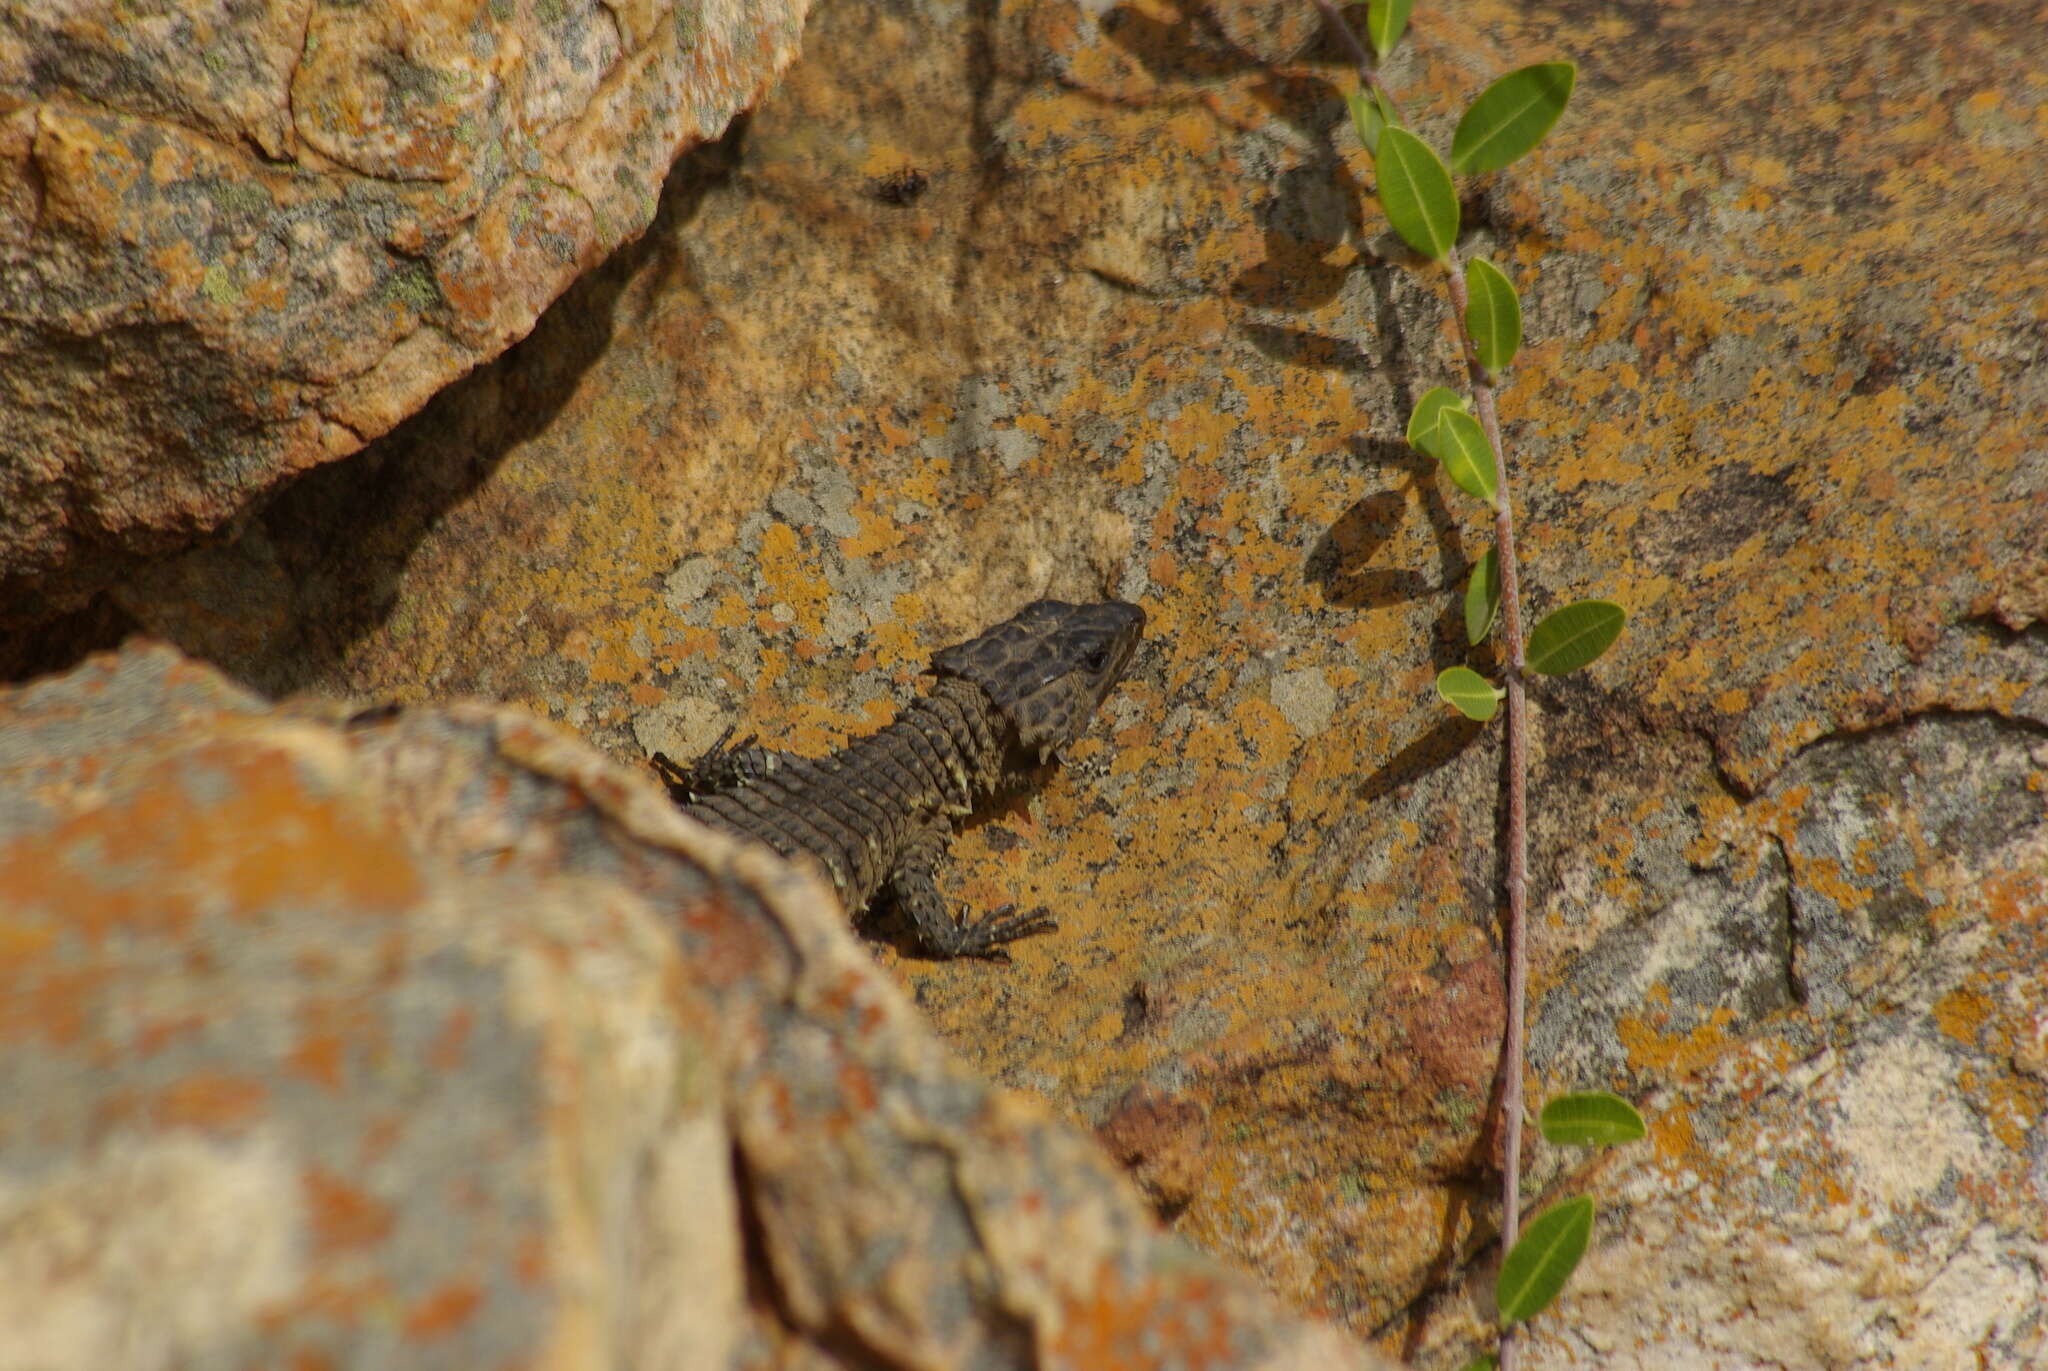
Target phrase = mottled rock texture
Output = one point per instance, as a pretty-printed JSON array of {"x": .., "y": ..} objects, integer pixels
[
  {"x": 238, "y": 240},
  {"x": 438, "y": 1040},
  {"x": 1140, "y": 332}
]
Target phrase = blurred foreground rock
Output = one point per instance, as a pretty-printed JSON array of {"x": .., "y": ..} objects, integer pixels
[
  {"x": 434, "y": 1039},
  {"x": 239, "y": 240}
]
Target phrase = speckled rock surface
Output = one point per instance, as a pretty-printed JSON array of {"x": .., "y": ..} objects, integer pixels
[
  {"x": 1784, "y": 269},
  {"x": 438, "y": 1040},
  {"x": 239, "y": 240}
]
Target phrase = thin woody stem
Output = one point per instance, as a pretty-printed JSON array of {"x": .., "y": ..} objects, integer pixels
[
  {"x": 1517, "y": 723},
  {"x": 1518, "y": 806},
  {"x": 1368, "y": 70}
]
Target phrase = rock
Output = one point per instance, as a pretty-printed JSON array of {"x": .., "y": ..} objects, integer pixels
[
  {"x": 1144, "y": 332},
  {"x": 430, "y": 1038},
  {"x": 238, "y": 241},
  {"x": 1163, "y": 1142}
]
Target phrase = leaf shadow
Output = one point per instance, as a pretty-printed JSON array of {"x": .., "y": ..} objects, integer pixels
[
  {"x": 1438, "y": 744},
  {"x": 1337, "y": 562},
  {"x": 1311, "y": 212}
]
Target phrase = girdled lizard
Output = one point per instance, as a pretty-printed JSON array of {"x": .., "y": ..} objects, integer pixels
[{"x": 876, "y": 814}]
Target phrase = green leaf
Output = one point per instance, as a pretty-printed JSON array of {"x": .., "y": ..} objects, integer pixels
[
  {"x": 1485, "y": 1361},
  {"x": 1471, "y": 694},
  {"x": 1416, "y": 192},
  {"x": 1460, "y": 444},
  {"x": 1493, "y": 315},
  {"x": 1592, "y": 1119},
  {"x": 1367, "y": 119},
  {"x": 1482, "y": 598},
  {"x": 1540, "y": 1263},
  {"x": 1511, "y": 116},
  {"x": 1386, "y": 104},
  {"x": 1428, "y": 412},
  {"x": 1574, "y": 636},
  {"x": 1384, "y": 21}
]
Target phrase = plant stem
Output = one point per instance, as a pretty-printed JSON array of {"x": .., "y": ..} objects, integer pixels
[
  {"x": 1368, "y": 71},
  {"x": 1511, "y": 1103},
  {"x": 1518, "y": 804}
]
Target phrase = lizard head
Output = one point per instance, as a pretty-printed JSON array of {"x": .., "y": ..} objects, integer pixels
[{"x": 1049, "y": 668}]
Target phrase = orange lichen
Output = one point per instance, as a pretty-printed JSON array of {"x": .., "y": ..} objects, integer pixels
[
  {"x": 443, "y": 1312},
  {"x": 1650, "y": 1049},
  {"x": 342, "y": 1216}
]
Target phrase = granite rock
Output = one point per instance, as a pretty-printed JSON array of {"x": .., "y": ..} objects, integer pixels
[
  {"x": 430, "y": 1038},
  {"x": 1144, "y": 333},
  {"x": 240, "y": 240}
]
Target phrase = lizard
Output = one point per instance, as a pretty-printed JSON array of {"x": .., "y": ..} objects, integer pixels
[{"x": 877, "y": 813}]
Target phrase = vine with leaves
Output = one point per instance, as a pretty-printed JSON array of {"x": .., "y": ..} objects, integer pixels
[{"x": 1416, "y": 190}]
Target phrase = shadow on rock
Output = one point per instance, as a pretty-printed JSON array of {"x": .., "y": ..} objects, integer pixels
[
  {"x": 1338, "y": 561},
  {"x": 321, "y": 565},
  {"x": 1310, "y": 213}
]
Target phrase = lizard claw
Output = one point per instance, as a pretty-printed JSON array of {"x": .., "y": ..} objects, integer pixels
[
  {"x": 984, "y": 937},
  {"x": 722, "y": 766}
]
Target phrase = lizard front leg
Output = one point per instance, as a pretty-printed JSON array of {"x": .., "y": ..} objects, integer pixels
[{"x": 939, "y": 934}]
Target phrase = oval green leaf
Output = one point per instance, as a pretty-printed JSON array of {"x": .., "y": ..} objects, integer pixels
[
  {"x": 1416, "y": 192},
  {"x": 1574, "y": 636},
  {"x": 1538, "y": 1266},
  {"x": 1384, "y": 22},
  {"x": 1429, "y": 412},
  {"x": 1366, "y": 118},
  {"x": 1471, "y": 694},
  {"x": 1594, "y": 1118},
  {"x": 1493, "y": 314},
  {"x": 1482, "y": 598},
  {"x": 1485, "y": 1361},
  {"x": 1460, "y": 444},
  {"x": 1511, "y": 116}
]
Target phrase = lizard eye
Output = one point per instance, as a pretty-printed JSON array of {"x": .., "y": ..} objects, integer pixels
[{"x": 1098, "y": 660}]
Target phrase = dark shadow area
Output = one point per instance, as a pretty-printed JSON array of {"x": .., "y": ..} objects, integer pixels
[
  {"x": 1195, "y": 48},
  {"x": 63, "y": 642},
  {"x": 330, "y": 549},
  {"x": 991, "y": 168},
  {"x": 1309, "y": 213},
  {"x": 345, "y": 532},
  {"x": 1310, "y": 210},
  {"x": 1444, "y": 741},
  {"x": 1393, "y": 336},
  {"x": 1190, "y": 48},
  {"x": 1337, "y": 562},
  {"x": 1435, "y": 1279},
  {"x": 1299, "y": 347}
]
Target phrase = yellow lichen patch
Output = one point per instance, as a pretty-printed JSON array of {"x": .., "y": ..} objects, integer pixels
[
  {"x": 2012, "y": 1106},
  {"x": 2016, "y": 897},
  {"x": 612, "y": 661},
  {"x": 794, "y": 585},
  {"x": 1673, "y": 1139},
  {"x": 1962, "y": 1014},
  {"x": 1684, "y": 1054}
]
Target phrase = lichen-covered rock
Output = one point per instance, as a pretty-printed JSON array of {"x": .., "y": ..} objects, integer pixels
[
  {"x": 1144, "y": 331},
  {"x": 239, "y": 240},
  {"x": 434, "y": 1039}
]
